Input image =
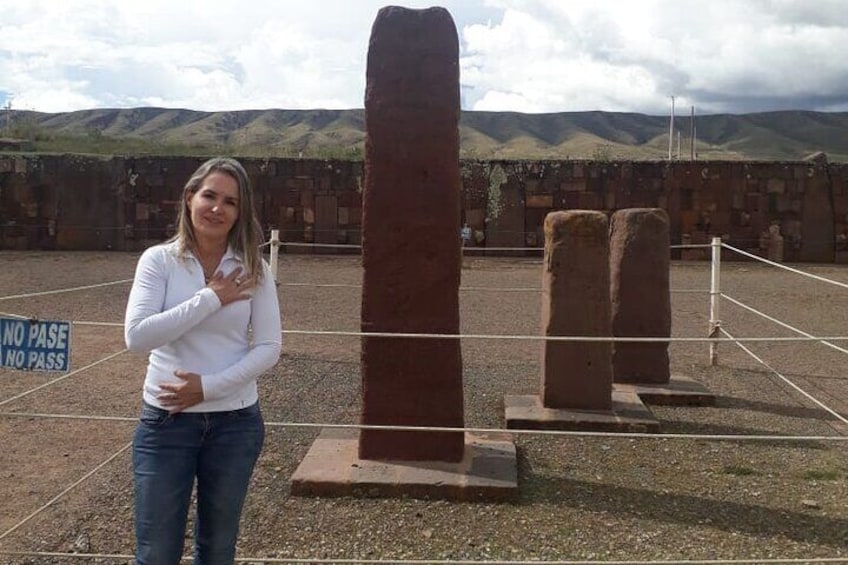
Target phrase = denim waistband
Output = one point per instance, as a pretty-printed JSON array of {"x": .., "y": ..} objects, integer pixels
[{"x": 240, "y": 411}]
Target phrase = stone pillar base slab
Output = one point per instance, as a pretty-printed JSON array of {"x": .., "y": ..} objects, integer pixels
[
  {"x": 628, "y": 414},
  {"x": 488, "y": 471},
  {"x": 679, "y": 391}
]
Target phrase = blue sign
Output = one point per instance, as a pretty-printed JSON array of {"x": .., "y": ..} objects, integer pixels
[{"x": 35, "y": 345}]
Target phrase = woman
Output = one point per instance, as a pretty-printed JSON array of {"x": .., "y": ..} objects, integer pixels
[{"x": 204, "y": 305}]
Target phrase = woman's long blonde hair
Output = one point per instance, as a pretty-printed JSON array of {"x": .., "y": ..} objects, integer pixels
[{"x": 245, "y": 236}]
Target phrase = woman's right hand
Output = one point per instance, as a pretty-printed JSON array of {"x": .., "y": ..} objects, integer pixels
[{"x": 232, "y": 287}]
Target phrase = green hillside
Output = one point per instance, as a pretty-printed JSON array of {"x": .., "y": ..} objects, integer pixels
[{"x": 779, "y": 136}]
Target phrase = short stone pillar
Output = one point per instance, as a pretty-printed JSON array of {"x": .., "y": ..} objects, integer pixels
[
  {"x": 410, "y": 250},
  {"x": 575, "y": 302},
  {"x": 577, "y": 390},
  {"x": 640, "y": 294}
]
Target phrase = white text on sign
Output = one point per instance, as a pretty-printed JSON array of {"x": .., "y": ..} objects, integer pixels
[{"x": 35, "y": 345}]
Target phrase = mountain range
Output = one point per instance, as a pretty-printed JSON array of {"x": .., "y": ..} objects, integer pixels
[{"x": 767, "y": 136}]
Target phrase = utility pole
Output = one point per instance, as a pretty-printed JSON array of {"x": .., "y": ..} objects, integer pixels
[
  {"x": 671, "y": 129},
  {"x": 678, "y": 145},
  {"x": 692, "y": 135},
  {"x": 8, "y": 108}
]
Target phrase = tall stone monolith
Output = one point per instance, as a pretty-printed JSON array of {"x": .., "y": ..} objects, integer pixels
[
  {"x": 410, "y": 246},
  {"x": 640, "y": 294},
  {"x": 576, "y": 302}
]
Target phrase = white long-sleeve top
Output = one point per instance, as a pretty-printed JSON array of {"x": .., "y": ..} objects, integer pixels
[{"x": 177, "y": 319}]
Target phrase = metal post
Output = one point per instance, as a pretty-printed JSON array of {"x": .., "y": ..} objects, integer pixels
[
  {"x": 671, "y": 130},
  {"x": 275, "y": 251},
  {"x": 715, "y": 292}
]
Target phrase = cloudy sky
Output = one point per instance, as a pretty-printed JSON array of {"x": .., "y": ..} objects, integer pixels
[{"x": 532, "y": 56}]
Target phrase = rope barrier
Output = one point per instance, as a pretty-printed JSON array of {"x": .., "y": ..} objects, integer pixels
[
  {"x": 474, "y": 430},
  {"x": 790, "y": 383},
  {"x": 784, "y": 267},
  {"x": 353, "y": 246},
  {"x": 62, "y": 378},
  {"x": 602, "y": 339},
  {"x": 471, "y": 288},
  {"x": 60, "y": 291},
  {"x": 319, "y": 245},
  {"x": 513, "y": 337},
  {"x": 778, "y": 322},
  {"x": 56, "y": 498},
  {"x": 464, "y": 249},
  {"x": 80, "y": 323},
  {"x": 104, "y": 324}
]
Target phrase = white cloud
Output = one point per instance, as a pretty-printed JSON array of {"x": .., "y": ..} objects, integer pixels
[
  {"x": 721, "y": 55},
  {"x": 521, "y": 55}
]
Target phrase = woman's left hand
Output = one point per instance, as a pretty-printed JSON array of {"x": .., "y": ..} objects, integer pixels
[{"x": 178, "y": 397}]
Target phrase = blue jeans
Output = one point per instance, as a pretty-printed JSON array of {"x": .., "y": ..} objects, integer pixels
[{"x": 219, "y": 449}]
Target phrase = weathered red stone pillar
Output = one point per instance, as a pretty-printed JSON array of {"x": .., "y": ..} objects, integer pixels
[
  {"x": 410, "y": 243},
  {"x": 640, "y": 295},
  {"x": 576, "y": 302}
]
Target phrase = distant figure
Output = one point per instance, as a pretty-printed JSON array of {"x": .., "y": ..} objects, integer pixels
[
  {"x": 775, "y": 243},
  {"x": 465, "y": 234}
]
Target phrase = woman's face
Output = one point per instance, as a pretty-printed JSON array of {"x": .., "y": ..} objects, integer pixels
[{"x": 214, "y": 208}]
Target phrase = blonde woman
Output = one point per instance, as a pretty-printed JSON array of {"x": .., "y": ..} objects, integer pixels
[{"x": 204, "y": 306}]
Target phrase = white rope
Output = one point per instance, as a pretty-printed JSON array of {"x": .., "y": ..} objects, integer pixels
[
  {"x": 464, "y": 249},
  {"x": 784, "y": 267},
  {"x": 62, "y": 378},
  {"x": 60, "y": 291},
  {"x": 590, "y": 339},
  {"x": 352, "y": 246},
  {"x": 790, "y": 383},
  {"x": 105, "y": 324},
  {"x": 782, "y": 324},
  {"x": 510, "y": 431},
  {"x": 566, "y": 433},
  {"x": 48, "y": 416},
  {"x": 10, "y": 315},
  {"x": 471, "y": 288},
  {"x": 351, "y": 561},
  {"x": 66, "y": 491},
  {"x": 320, "y": 245}
]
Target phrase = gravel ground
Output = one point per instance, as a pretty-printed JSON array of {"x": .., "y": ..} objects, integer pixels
[{"x": 580, "y": 498}]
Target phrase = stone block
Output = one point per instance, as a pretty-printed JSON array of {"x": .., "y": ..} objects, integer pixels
[
  {"x": 475, "y": 218},
  {"x": 573, "y": 186},
  {"x": 776, "y": 186},
  {"x": 539, "y": 201},
  {"x": 589, "y": 201}
]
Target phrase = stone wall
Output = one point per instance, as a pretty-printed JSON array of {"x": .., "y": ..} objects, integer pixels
[{"x": 122, "y": 203}]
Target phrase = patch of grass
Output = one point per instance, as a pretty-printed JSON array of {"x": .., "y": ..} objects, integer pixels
[
  {"x": 822, "y": 475},
  {"x": 99, "y": 144},
  {"x": 739, "y": 471}
]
